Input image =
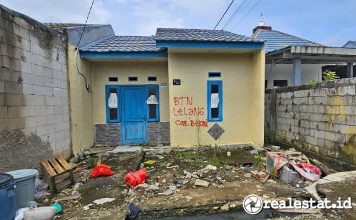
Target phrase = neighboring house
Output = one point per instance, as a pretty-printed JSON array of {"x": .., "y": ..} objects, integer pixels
[
  {"x": 184, "y": 87},
  {"x": 291, "y": 60},
  {"x": 350, "y": 44},
  {"x": 279, "y": 75}
]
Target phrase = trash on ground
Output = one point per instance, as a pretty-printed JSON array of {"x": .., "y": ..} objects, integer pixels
[
  {"x": 58, "y": 207},
  {"x": 101, "y": 170},
  {"x": 133, "y": 211},
  {"x": 149, "y": 163},
  {"x": 103, "y": 201},
  {"x": 308, "y": 171},
  {"x": 40, "y": 213},
  {"x": 203, "y": 183},
  {"x": 134, "y": 179}
]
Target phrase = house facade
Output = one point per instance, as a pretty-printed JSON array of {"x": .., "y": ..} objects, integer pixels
[{"x": 182, "y": 87}]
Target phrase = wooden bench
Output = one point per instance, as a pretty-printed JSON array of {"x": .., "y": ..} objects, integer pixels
[{"x": 58, "y": 173}]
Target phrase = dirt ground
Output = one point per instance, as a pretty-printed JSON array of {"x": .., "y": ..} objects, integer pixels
[{"x": 171, "y": 190}]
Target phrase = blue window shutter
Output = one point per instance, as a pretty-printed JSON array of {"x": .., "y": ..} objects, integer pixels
[
  {"x": 218, "y": 83},
  {"x": 156, "y": 88},
  {"x": 107, "y": 93}
]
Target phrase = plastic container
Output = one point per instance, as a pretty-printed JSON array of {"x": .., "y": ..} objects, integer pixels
[
  {"x": 25, "y": 186},
  {"x": 7, "y": 197}
]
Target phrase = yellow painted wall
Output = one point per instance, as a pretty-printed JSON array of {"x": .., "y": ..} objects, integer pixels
[
  {"x": 142, "y": 69},
  {"x": 243, "y": 96},
  {"x": 82, "y": 128}
]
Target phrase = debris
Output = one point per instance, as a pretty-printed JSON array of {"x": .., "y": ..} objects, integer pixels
[
  {"x": 172, "y": 187},
  {"x": 308, "y": 171},
  {"x": 211, "y": 167},
  {"x": 87, "y": 207},
  {"x": 274, "y": 162},
  {"x": 275, "y": 147},
  {"x": 160, "y": 157},
  {"x": 41, "y": 188},
  {"x": 149, "y": 163},
  {"x": 225, "y": 208},
  {"x": 40, "y": 213},
  {"x": 247, "y": 164},
  {"x": 136, "y": 178},
  {"x": 254, "y": 151},
  {"x": 58, "y": 207},
  {"x": 199, "y": 182},
  {"x": 189, "y": 175},
  {"x": 101, "y": 170},
  {"x": 167, "y": 192},
  {"x": 206, "y": 169},
  {"x": 299, "y": 184},
  {"x": 133, "y": 211},
  {"x": 170, "y": 167},
  {"x": 228, "y": 154},
  {"x": 247, "y": 175},
  {"x": 58, "y": 173},
  {"x": 103, "y": 201},
  {"x": 288, "y": 175},
  {"x": 72, "y": 197},
  {"x": 20, "y": 213},
  {"x": 326, "y": 170},
  {"x": 188, "y": 198}
]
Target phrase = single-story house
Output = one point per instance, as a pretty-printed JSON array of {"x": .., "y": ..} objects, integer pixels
[
  {"x": 292, "y": 60},
  {"x": 183, "y": 87}
]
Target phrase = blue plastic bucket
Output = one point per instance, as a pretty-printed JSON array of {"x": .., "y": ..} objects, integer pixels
[
  {"x": 25, "y": 186},
  {"x": 7, "y": 197}
]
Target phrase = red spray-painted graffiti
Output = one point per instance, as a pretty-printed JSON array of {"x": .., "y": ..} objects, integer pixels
[{"x": 183, "y": 106}]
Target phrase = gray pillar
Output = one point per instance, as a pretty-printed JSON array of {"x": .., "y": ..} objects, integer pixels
[
  {"x": 297, "y": 71},
  {"x": 350, "y": 70}
]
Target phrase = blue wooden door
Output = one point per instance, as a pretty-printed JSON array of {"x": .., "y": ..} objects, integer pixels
[{"x": 133, "y": 115}]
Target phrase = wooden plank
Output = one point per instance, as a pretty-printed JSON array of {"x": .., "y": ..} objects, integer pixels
[
  {"x": 61, "y": 177},
  {"x": 56, "y": 165},
  {"x": 48, "y": 168},
  {"x": 63, "y": 185},
  {"x": 64, "y": 163}
]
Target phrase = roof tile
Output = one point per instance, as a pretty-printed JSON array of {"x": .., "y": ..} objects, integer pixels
[
  {"x": 275, "y": 40},
  {"x": 179, "y": 34}
]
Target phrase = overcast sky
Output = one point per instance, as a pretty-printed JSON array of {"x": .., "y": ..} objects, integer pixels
[{"x": 329, "y": 22}]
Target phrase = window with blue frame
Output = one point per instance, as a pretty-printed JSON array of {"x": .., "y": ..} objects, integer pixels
[
  {"x": 112, "y": 105},
  {"x": 153, "y": 103},
  {"x": 215, "y": 100}
]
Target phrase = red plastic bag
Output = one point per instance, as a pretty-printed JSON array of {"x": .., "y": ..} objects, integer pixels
[
  {"x": 101, "y": 170},
  {"x": 134, "y": 179}
]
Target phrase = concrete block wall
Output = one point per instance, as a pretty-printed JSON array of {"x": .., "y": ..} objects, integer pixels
[
  {"x": 33, "y": 91},
  {"x": 320, "y": 118},
  {"x": 109, "y": 134},
  {"x": 158, "y": 133}
]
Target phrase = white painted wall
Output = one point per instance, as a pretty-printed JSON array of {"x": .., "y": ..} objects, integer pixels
[{"x": 285, "y": 72}]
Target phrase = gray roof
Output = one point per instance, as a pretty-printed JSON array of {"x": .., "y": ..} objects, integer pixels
[
  {"x": 148, "y": 43},
  {"x": 178, "y": 34},
  {"x": 275, "y": 40},
  {"x": 123, "y": 44},
  {"x": 350, "y": 44}
]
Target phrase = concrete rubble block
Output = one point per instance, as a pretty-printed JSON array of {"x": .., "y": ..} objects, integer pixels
[
  {"x": 203, "y": 183},
  {"x": 288, "y": 175}
]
